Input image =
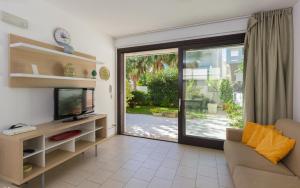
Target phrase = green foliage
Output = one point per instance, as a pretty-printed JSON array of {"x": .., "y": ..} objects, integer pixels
[
  {"x": 213, "y": 85},
  {"x": 226, "y": 91},
  {"x": 163, "y": 88},
  {"x": 197, "y": 105},
  {"x": 193, "y": 90},
  {"x": 235, "y": 114},
  {"x": 137, "y": 66},
  {"x": 128, "y": 92},
  {"x": 143, "y": 81},
  {"x": 139, "y": 98},
  {"x": 149, "y": 110},
  {"x": 163, "y": 110}
]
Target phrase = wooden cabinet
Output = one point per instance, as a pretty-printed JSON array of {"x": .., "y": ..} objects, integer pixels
[{"x": 48, "y": 154}]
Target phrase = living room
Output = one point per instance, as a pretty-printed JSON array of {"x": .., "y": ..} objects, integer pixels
[{"x": 179, "y": 93}]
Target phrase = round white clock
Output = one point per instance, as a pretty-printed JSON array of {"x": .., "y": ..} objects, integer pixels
[{"x": 62, "y": 36}]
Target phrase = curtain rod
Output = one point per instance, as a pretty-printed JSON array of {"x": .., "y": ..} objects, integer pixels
[{"x": 185, "y": 26}]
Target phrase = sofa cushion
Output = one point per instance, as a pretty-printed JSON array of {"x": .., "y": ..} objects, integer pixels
[
  {"x": 291, "y": 129},
  {"x": 237, "y": 153},
  {"x": 244, "y": 177}
]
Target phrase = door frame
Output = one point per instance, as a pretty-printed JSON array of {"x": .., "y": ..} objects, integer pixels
[{"x": 181, "y": 45}]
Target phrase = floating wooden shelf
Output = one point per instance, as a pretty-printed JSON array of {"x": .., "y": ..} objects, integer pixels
[
  {"x": 22, "y": 75},
  {"x": 38, "y": 49},
  {"x": 50, "y": 61}
]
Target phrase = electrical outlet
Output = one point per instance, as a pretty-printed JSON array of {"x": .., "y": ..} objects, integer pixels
[{"x": 13, "y": 20}]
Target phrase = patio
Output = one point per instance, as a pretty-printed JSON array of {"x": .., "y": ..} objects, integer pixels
[{"x": 213, "y": 126}]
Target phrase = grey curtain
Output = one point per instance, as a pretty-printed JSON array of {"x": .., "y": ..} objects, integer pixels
[{"x": 269, "y": 66}]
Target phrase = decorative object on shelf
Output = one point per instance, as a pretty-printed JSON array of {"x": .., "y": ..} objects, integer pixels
[
  {"x": 28, "y": 151},
  {"x": 104, "y": 73},
  {"x": 63, "y": 38},
  {"x": 18, "y": 129},
  {"x": 65, "y": 135},
  {"x": 35, "y": 70},
  {"x": 68, "y": 49},
  {"x": 94, "y": 74},
  {"x": 27, "y": 167},
  {"x": 69, "y": 70}
]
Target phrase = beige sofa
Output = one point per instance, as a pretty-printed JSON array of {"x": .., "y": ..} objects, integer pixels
[{"x": 251, "y": 170}]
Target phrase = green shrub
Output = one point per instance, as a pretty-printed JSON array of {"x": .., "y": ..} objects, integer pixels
[
  {"x": 163, "y": 88},
  {"x": 128, "y": 93},
  {"x": 139, "y": 98},
  {"x": 226, "y": 91},
  {"x": 193, "y": 90},
  {"x": 162, "y": 110},
  {"x": 235, "y": 114}
]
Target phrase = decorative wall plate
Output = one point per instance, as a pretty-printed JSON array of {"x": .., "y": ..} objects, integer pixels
[{"x": 104, "y": 73}]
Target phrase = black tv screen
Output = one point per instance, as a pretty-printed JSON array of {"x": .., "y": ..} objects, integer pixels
[{"x": 71, "y": 102}]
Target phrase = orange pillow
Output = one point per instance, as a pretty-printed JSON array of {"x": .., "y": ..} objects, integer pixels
[
  {"x": 259, "y": 134},
  {"x": 248, "y": 131},
  {"x": 275, "y": 146}
]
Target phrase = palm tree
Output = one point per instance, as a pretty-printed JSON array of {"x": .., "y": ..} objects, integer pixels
[{"x": 139, "y": 65}]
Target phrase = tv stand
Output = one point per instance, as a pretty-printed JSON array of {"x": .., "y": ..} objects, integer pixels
[
  {"x": 48, "y": 154},
  {"x": 76, "y": 118}
]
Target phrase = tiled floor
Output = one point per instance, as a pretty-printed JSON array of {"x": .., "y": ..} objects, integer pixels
[{"x": 129, "y": 162}]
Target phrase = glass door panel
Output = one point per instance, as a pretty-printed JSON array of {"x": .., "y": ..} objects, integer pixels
[{"x": 212, "y": 91}]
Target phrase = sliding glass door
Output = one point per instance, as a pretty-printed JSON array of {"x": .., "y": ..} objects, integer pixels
[
  {"x": 212, "y": 93},
  {"x": 201, "y": 79}
]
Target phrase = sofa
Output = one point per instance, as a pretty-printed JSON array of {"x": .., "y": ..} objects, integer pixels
[{"x": 251, "y": 170}]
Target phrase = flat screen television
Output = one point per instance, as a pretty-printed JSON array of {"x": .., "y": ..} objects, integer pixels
[{"x": 73, "y": 103}]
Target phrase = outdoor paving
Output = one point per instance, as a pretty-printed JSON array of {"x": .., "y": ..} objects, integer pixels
[{"x": 214, "y": 126}]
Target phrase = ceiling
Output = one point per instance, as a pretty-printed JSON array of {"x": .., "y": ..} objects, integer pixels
[{"x": 119, "y": 18}]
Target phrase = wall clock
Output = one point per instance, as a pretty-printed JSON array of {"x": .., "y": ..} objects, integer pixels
[
  {"x": 104, "y": 73},
  {"x": 62, "y": 36}
]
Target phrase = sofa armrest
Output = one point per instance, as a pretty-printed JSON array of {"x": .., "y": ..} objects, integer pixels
[{"x": 233, "y": 134}]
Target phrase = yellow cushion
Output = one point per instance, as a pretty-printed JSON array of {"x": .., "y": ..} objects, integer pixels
[
  {"x": 248, "y": 131},
  {"x": 259, "y": 134},
  {"x": 275, "y": 146}
]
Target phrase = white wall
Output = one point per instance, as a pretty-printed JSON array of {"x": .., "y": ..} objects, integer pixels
[
  {"x": 297, "y": 61},
  {"x": 35, "y": 106},
  {"x": 224, "y": 27}
]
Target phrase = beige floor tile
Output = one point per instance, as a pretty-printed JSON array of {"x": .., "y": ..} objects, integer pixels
[
  {"x": 123, "y": 175},
  {"x": 151, "y": 164},
  {"x": 112, "y": 184},
  {"x": 226, "y": 181},
  {"x": 157, "y": 156},
  {"x": 207, "y": 171},
  {"x": 136, "y": 183},
  {"x": 160, "y": 183},
  {"x": 170, "y": 163},
  {"x": 206, "y": 182},
  {"x": 182, "y": 182},
  {"x": 100, "y": 176},
  {"x": 140, "y": 157},
  {"x": 132, "y": 165},
  {"x": 75, "y": 177},
  {"x": 187, "y": 172},
  {"x": 88, "y": 184},
  {"x": 59, "y": 184},
  {"x": 165, "y": 173},
  {"x": 189, "y": 163},
  {"x": 110, "y": 166},
  {"x": 223, "y": 170},
  {"x": 145, "y": 174}
]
